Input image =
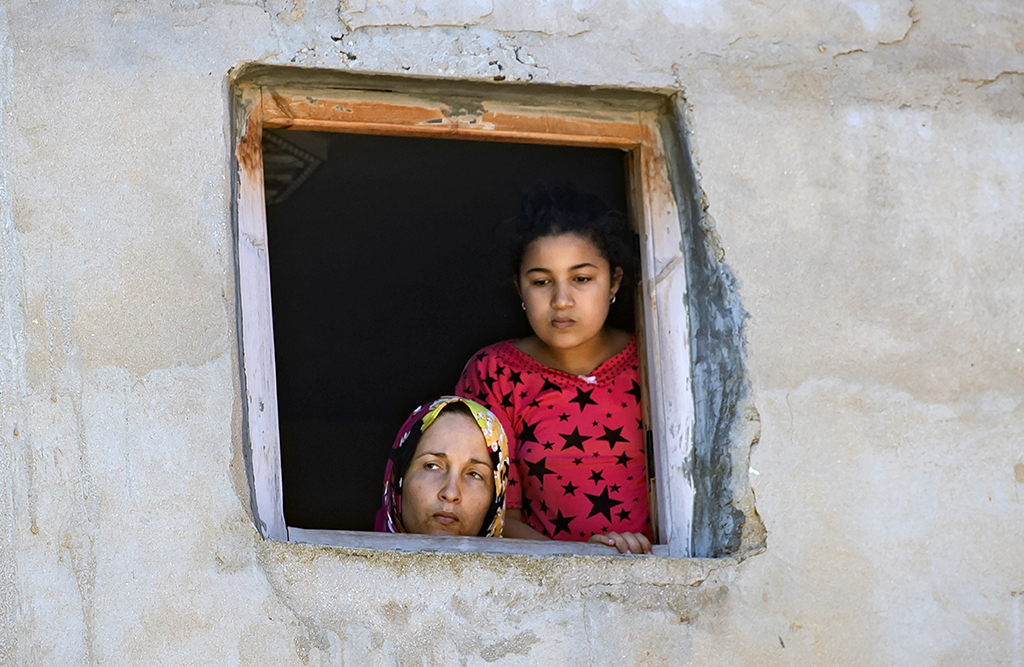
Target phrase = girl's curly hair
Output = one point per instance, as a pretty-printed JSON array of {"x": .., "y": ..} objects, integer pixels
[{"x": 546, "y": 211}]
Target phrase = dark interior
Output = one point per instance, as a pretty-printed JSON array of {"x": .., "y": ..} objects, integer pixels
[{"x": 388, "y": 270}]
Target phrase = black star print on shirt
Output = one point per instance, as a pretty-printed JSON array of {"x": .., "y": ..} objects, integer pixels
[
  {"x": 602, "y": 504},
  {"x": 576, "y": 462},
  {"x": 623, "y": 460},
  {"x": 564, "y": 417},
  {"x": 623, "y": 515},
  {"x": 583, "y": 398},
  {"x": 635, "y": 392},
  {"x": 549, "y": 385},
  {"x": 574, "y": 439},
  {"x": 612, "y": 436},
  {"x": 596, "y": 476},
  {"x": 569, "y": 489},
  {"x": 539, "y": 469},
  {"x": 515, "y": 378},
  {"x": 527, "y": 434},
  {"x": 561, "y": 524},
  {"x": 506, "y": 400},
  {"x": 499, "y": 370},
  {"x": 548, "y": 445}
]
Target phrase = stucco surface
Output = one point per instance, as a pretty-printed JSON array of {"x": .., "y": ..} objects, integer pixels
[{"x": 862, "y": 166}]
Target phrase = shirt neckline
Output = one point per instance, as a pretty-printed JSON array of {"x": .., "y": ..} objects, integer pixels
[{"x": 607, "y": 371}]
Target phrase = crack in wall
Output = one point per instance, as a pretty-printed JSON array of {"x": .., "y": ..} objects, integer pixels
[
  {"x": 262, "y": 4},
  {"x": 480, "y": 53},
  {"x": 912, "y": 14},
  {"x": 981, "y": 83},
  {"x": 914, "y": 18}
]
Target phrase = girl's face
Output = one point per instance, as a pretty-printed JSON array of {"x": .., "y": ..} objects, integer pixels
[
  {"x": 567, "y": 287},
  {"x": 449, "y": 486}
]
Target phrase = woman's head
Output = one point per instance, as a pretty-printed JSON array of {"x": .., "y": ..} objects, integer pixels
[
  {"x": 447, "y": 472},
  {"x": 570, "y": 257}
]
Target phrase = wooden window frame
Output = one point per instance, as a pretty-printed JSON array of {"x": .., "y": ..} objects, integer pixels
[{"x": 663, "y": 333}]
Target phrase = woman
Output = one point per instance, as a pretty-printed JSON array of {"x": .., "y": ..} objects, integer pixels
[{"x": 447, "y": 472}]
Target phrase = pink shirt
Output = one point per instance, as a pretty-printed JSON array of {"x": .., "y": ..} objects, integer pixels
[{"x": 576, "y": 443}]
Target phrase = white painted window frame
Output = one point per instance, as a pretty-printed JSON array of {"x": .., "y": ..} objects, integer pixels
[{"x": 663, "y": 334}]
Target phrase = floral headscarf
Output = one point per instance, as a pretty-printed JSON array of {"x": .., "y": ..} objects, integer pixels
[{"x": 389, "y": 517}]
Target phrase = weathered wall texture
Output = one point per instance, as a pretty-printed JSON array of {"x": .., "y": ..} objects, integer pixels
[{"x": 862, "y": 166}]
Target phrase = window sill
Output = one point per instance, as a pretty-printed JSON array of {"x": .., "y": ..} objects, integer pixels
[{"x": 350, "y": 539}]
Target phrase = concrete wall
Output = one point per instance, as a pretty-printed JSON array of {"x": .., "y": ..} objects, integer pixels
[{"x": 862, "y": 165}]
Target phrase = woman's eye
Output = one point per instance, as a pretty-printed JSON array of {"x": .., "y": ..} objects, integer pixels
[
  {"x": 430, "y": 465},
  {"x": 476, "y": 474},
  {"x": 583, "y": 279},
  {"x": 540, "y": 283}
]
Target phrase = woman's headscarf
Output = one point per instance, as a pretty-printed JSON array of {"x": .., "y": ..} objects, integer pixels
[{"x": 389, "y": 518}]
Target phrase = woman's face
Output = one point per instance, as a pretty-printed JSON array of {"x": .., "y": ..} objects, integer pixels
[
  {"x": 566, "y": 286},
  {"x": 449, "y": 486}
]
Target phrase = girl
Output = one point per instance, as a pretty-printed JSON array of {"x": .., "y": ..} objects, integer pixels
[
  {"x": 447, "y": 472},
  {"x": 569, "y": 395}
]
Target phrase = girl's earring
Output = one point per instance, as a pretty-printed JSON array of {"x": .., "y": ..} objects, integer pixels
[
  {"x": 524, "y": 305},
  {"x": 613, "y": 298}
]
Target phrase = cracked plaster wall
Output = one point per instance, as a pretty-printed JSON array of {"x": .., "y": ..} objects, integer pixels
[{"x": 861, "y": 164}]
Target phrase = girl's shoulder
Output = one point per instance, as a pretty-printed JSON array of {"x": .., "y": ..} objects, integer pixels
[{"x": 491, "y": 353}]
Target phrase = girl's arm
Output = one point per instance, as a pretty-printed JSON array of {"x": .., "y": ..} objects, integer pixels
[{"x": 514, "y": 527}]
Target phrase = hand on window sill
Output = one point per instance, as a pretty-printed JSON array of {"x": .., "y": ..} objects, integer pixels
[{"x": 626, "y": 543}]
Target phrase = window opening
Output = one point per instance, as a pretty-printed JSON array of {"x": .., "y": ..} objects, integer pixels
[
  {"x": 335, "y": 103},
  {"x": 387, "y": 273}
]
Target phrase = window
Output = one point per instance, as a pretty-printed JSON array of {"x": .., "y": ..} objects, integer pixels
[
  {"x": 276, "y": 103},
  {"x": 387, "y": 274}
]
